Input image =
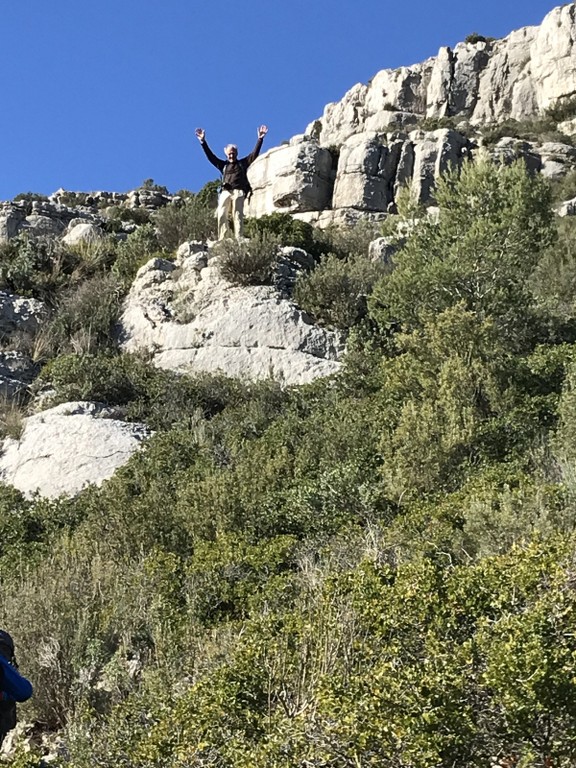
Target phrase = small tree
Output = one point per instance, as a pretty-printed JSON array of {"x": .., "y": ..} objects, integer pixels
[{"x": 493, "y": 223}]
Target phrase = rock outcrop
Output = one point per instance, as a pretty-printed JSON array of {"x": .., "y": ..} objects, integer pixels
[
  {"x": 379, "y": 134},
  {"x": 295, "y": 177},
  {"x": 63, "y": 449},
  {"x": 488, "y": 81},
  {"x": 193, "y": 320}
]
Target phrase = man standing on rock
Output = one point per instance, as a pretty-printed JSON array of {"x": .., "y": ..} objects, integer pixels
[{"x": 235, "y": 185}]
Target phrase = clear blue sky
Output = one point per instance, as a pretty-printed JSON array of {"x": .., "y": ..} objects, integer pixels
[{"x": 102, "y": 95}]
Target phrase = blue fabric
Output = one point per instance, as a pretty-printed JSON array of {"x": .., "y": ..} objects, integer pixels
[{"x": 16, "y": 687}]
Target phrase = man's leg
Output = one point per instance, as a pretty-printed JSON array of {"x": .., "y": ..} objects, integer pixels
[
  {"x": 238, "y": 212},
  {"x": 223, "y": 213}
]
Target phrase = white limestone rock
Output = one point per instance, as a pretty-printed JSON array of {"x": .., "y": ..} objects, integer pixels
[
  {"x": 383, "y": 249},
  {"x": 434, "y": 153},
  {"x": 196, "y": 321},
  {"x": 11, "y": 221},
  {"x": 557, "y": 159},
  {"x": 66, "y": 448},
  {"x": 339, "y": 217},
  {"x": 294, "y": 177},
  {"x": 568, "y": 127},
  {"x": 39, "y": 225},
  {"x": 83, "y": 232},
  {"x": 366, "y": 169},
  {"x": 193, "y": 254},
  {"x": 516, "y": 77}
]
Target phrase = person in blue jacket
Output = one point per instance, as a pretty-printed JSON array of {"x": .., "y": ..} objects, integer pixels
[{"x": 13, "y": 686}]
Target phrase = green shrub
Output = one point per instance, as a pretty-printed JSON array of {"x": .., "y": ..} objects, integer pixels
[
  {"x": 34, "y": 267},
  {"x": 563, "y": 109},
  {"x": 30, "y": 197},
  {"x": 43, "y": 266},
  {"x": 151, "y": 186},
  {"x": 120, "y": 213},
  {"x": 12, "y": 414},
  {"x": 138, "y": 248},
  {"x": 564, "y": 188},
  {"x": 474, "y": 37},
  {"x": 335, "y": 292},
  {"x": 286, "y": 229},
  {"x": 554, "y": 278},
  {"x": 348, "y": 242},
  {"x": 92, "y": 256},
  {"x": 494, "y": 222},
  {"x": 248, "y": 262},
  {"x": 146, "y": 393},
  {"x": 193, "y": 218},
  {"x": 435, "y": 123},
  {"x": 84, "y": 319},
  {"x": 538, "y": 130}
]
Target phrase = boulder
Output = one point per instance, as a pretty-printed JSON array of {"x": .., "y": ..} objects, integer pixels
[
  {"x": 295, "y": 177},
  {"x": 193, "y": 253},
  {"x": 508, "y": 149},
  {"x": 557, "y": 159},
  {"x": 64, "y": 449},
  {"x": 568, "y": 127},
  {"x": 40, "y": 225},
  {"x": 83, "y": 232},
  {"x": 383, "y": 249},
  {"x": 339, "y": 217}
]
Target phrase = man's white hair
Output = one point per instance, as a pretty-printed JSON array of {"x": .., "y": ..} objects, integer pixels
[{"x": 230, "y": 146}]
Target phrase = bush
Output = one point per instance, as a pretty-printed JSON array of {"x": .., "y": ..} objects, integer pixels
[
  {"x": 474, "y": 37},
  {"x": 564, "y": 188},
  {"x": 348, "y": 242},
  {"x": 335, "y": 292},
  {"x": 31, "y": 197},
  {"x": 562, "y": 110},
  {"x": 435, "y": 123},
  {"x": 34, "y": 267},
  {"x": 11, "y": 416},
  {"x": 120, "y": 213},
  {"x": 145, "y": 393},
  {"x": 494, "y": 222},
  {"x": 92, "y": 256},
  {"x": 138, "y": 248},
  {"x": 286, "y": 229},
  {"x": 538, "y": 130},
  {"x": 554, "y": 279},
  {"x": 192, "y": 218},
  {"x": 84, "y": 319},
  {"x": 248, "y": 262}
]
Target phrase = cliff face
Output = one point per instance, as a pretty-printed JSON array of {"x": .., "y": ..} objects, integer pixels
[
  {"x": 517, "y": 77},
  {"x": 377, "y": 139}
]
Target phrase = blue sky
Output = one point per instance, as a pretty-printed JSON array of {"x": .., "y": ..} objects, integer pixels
[{"x": 102, "y": 95}]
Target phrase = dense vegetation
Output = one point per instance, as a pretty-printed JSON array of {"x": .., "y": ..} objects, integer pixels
[{"x": 377, "y": 569}]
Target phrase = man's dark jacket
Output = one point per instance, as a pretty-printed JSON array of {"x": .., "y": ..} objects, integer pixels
[{"x": 234, "y": 175}]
